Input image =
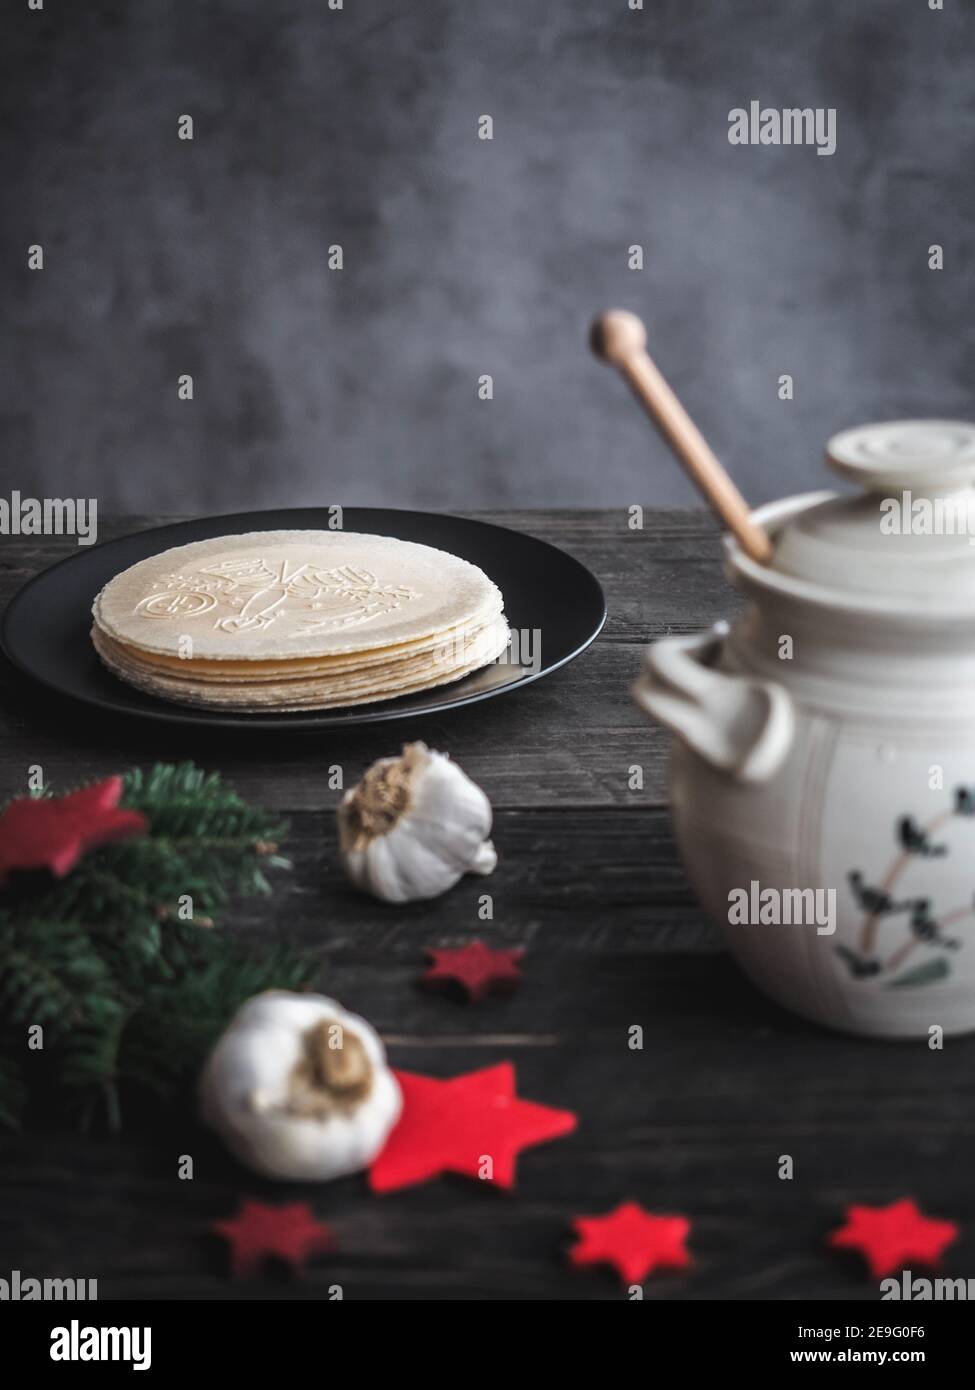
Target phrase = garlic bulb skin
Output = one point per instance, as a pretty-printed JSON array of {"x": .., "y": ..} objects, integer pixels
[
  {"x": 414, "y": 826},
  {"x": 299, "y": 1089}
]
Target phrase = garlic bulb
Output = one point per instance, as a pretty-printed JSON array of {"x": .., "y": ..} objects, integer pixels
[
  {"x": 413, "y": 826},
  {"x": 299, "y": 1089}
]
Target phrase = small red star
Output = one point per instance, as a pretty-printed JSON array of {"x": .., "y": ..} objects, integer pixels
[
  {"x": 632, "y": 1240},
  {"x": 53, "y": 832},
  {"x": 258, "y": 1232},
  {"x": 473, "y": 1124},
  {"x": 889, "y": 1237},
  {"x": 478, "y": 969}
]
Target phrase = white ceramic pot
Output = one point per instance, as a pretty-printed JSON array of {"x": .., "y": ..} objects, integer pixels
[{"x": 825, "y": 743}]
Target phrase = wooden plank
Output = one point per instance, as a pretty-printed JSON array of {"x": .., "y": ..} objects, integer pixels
[
  {"x": 568, "y": 882},
  {"x": 695, "y": 1122},
  {"x": 570, "y": 740}
]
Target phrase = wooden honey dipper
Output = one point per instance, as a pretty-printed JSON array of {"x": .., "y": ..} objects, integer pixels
[{"x": 620, "y": 338}]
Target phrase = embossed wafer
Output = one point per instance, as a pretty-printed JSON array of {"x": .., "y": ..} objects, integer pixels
[
  {"x": 396, "y": 677},
  {"x": 283, "y": 594},
  {"x": 297, "y": 620}
]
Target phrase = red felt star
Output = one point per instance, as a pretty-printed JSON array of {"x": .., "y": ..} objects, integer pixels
[
  {"x": 478, "y": 969},
  {"x": 472, "y": 1124},
  {"x": 257, "y": 1232},
  {"x": 632, "y": 1240},
  {"x": 889, "y": 1237},
  {"x": 54, "y": 832}
]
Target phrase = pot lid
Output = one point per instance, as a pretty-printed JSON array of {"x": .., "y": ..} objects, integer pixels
[{"x": 909, "y": 536}]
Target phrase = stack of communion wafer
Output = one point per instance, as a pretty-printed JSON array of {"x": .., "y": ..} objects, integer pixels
[{"x": 293, "y": 620}]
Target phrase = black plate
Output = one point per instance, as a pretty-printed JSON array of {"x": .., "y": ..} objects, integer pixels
[{"x": 46, "y": 625}]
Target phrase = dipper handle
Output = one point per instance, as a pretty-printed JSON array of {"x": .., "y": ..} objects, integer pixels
[{"x": 619, "y": 337}]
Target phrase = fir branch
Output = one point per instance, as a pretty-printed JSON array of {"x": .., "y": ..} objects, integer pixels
[
  {"x": 114, "y": 962},
  {"x": 172, "y": 1031}
]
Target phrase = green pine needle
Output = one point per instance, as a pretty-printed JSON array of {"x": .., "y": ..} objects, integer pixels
[{"x": 117, "y": 964}]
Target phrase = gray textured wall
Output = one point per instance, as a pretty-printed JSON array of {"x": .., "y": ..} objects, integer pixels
[{"x": 463, "y": 257}]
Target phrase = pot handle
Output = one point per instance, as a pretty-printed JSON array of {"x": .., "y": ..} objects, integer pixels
[{"x": 739, "y": 725}]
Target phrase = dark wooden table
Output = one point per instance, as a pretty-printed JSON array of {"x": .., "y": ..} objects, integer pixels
[{"x": 590, "y": 883}]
